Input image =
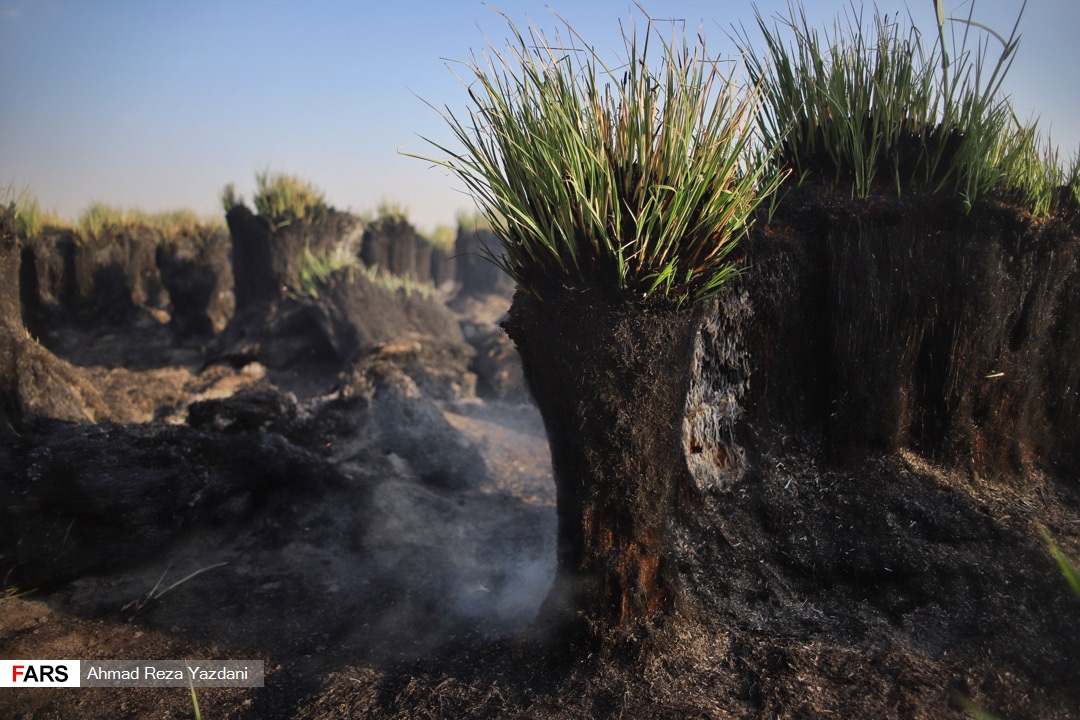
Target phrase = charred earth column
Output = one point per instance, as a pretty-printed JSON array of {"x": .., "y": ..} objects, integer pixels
[
  {"x": 913, "y": 324},
  {"x": 610, "y": 376},
  {"x": 33, "y": 381}
]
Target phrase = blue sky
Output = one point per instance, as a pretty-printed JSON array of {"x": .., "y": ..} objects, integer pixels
[{"x": 157, "y": 105}]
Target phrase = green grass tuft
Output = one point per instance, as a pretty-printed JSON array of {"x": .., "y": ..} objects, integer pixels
[
  {"x": 443, "y": 237},
  {"x": 1031, "y": 172},
  {"x": 230, "y": 199},
  {"x": 397, "y": 283},
  {"x": 176, "y": 222},
  {"x": 97, "y": 219},
  {"x": 388, "y": 217},
  {"x": 1068, "y": 570},
  {"x": 283, "y": 199},
  {"x": 315, "y": 271},
  {"x": 391, "y": 211},
  {"x": 871, "y": 106},
  {"x": 1070, "y": 190},
  {"x": 635, "y": 177},
  {"x": 30, "y": 218}
]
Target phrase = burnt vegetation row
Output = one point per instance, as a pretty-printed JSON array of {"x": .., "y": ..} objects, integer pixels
[{"x": 110, "y": 265}]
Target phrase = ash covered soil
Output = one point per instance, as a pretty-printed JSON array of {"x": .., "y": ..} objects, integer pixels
[
  {"x": 395, "y": 524},
  {"x": 381, "y": 534}
]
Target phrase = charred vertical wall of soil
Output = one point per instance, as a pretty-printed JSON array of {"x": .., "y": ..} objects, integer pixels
[
  {"x": 610, "y": 377},
  {"x": 33, "y": 381},
  {"x": 253, "y": 267},
  {"x": 66, "y": 276},
  {"x": 716, "y": 399},
  {"x": 888, "y": 324},
  {"x": 10, "y": 313},
  {"x": 47, "y": 279},
  {"x": 443, "y": 266},
  {"x": 476, "y": 274},
  {"x": 196, "y": 270},
  {"x": 394, "y": 245},
  {"x": 265, "y": 258}
]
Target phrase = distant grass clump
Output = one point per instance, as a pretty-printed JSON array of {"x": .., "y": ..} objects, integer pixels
[
  {"x": 387, "y": 217},
  {"x": 442, "y": 237},
  {"x": 284, "y": 198},
  {"x": 30, "y": 218},
  {"x": 1032, "y": 174},
  {"x": 281, "y": 199},
  {"x": 474, "y": 220},
  {"x": 100, "y": 219},
  {"x": 633, "y": 177},
  {"x": 868, "y": 106},
  {"x": 176, "y": 222},
  {"x": 230, "y": 198}
]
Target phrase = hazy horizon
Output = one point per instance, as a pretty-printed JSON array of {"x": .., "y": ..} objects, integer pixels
[{"x": 157, "y": 106}]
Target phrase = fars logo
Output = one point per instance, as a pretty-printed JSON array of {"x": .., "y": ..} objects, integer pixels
[{"x": 39, "y": 673}]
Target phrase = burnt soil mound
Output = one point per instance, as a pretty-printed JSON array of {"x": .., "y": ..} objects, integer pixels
[{"x": 883, "y": 416}]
